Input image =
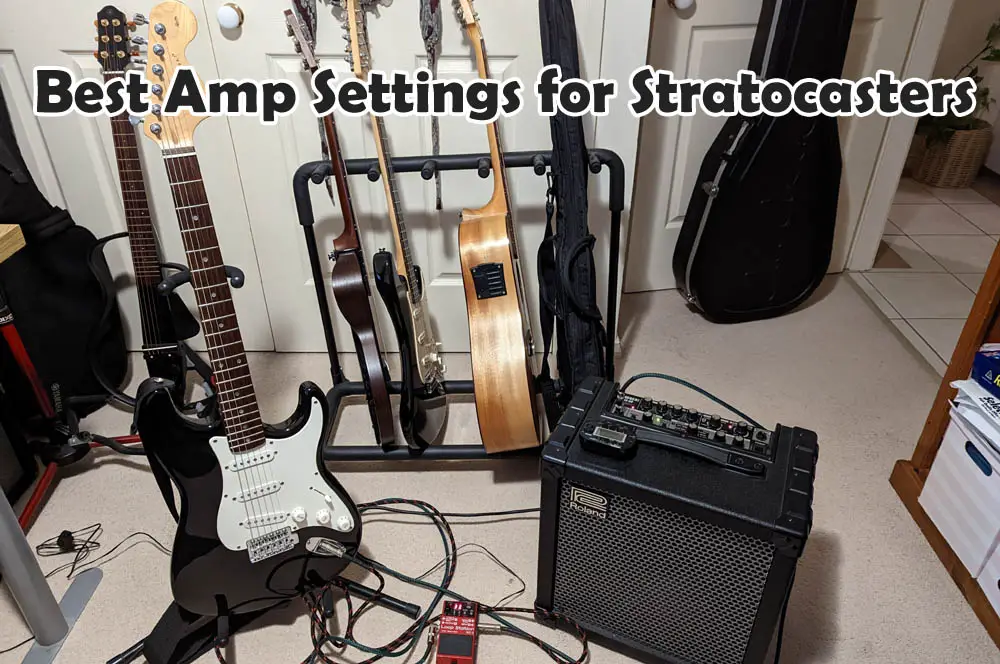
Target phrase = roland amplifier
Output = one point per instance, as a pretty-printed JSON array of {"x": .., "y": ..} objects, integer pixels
[{"x": 670, "y": 532}]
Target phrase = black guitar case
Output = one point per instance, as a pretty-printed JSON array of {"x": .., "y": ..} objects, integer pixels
[{"x": 758, "y": 232}]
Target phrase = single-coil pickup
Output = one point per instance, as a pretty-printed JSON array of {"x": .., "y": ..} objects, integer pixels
[
  {"x": 265, "y": 520},
  {"x": 250, "y": 459},
  {"x": 258, "y": 491}
]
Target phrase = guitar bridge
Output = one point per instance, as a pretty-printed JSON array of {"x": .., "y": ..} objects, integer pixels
[
  {"x": 271, "y": 544},
  {"x": 489, "y": 280}
]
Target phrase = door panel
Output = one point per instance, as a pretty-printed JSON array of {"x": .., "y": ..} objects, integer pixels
[
  {"x": 714, "y": 40},
  {"x": 72, "y": 158},
  {"x": 268, "y": 157}
]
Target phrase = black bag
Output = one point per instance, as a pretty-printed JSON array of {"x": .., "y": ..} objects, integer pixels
[
  {"x": 54, "y": 290},
  {"x": 566, "y": 272}
]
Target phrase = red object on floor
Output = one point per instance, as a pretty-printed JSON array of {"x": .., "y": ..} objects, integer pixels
[
  {"x": 457, "y": 632},
  {"x": 37, "y": 496}
]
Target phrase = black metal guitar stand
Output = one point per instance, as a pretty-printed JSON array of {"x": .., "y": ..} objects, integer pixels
[{"x": 317, "y": 171}]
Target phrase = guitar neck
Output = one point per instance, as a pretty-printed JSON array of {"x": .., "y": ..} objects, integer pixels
[
  {"x": 404, "y": 256},
  {"x": 500, "y": 201},
  {"x": 350, "y": 238},
  {"x": 137, "y": 220},
  {"x": 237, "y": 399}
]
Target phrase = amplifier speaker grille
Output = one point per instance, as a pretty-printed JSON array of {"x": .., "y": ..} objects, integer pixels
[{"x": 612, "y": 570}]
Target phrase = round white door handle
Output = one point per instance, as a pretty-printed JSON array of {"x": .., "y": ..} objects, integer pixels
[
  {"x": 681, "y": 5},
  {"x": 230, "y": 16}
]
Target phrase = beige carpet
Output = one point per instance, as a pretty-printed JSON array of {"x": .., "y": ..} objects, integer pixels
[{"x": 869, "y": 588}]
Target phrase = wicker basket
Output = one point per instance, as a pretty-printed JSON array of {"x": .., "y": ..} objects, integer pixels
[{"x": 956, "y": 163}]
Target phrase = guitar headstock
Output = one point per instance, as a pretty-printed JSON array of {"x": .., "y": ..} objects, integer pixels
[
  {"x": 172, "y": 26},
  {"x": 114, "y": 46},
  {"x": 359, "y": 54},
  {"x": 300, "y": 37},
  {"x": 466, "y": 13}
]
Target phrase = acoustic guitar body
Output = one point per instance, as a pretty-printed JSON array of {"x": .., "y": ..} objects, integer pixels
[{"x": 498, "y": 332}]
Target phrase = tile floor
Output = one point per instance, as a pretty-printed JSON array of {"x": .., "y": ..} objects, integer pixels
[{"x": 936, "y": 247}]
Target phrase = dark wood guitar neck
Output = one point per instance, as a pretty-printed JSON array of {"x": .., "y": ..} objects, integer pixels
[
  {"x": 154, "y": 312},
  {"x": 237, "y": 399}
]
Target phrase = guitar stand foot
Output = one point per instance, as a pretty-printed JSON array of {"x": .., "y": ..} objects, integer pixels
[{"x": 368, "y": 453}]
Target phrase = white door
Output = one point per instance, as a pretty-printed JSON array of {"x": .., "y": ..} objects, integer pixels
[
  {"x": 714, "y": 40},
  {"x": 268, "y": 155},
  {"x": 72, "y": 157}
]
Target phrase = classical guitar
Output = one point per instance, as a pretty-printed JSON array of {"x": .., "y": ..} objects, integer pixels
[
  {"x": 261, "y": 517},
  {"x": 349, "y": 275},
  {"x": 164, "y": 321},
  {"x": 499, "y": 327},
  {"x": 422, "y": 406}
]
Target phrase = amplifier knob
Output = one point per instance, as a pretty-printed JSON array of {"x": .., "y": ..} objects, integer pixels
[
  {"x": 692, "y": 427},
  {"x": 742, "y": 428},
  {"x": 720, "y": 436},
  {"x": 738, "y": 441},
  {"x": 714, "y": 421},
  {"x": 694, "y": 415}
]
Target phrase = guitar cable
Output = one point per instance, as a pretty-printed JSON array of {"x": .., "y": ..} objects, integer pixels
[{"x": 407, "y": 641}]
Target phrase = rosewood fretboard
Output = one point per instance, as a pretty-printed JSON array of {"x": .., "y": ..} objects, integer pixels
[
  {"x": 237, "y": 399},
  {"x": 142, "y": 238}
]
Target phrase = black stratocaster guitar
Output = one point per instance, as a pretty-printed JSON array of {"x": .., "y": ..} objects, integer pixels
[
  {"x": 758, "y": 234},
  {"x": 261, "y": 517},
  {"x": 165, "y": 321},
  {"x": 349, "y": 275},
  {"x": 423, "y": 406}
]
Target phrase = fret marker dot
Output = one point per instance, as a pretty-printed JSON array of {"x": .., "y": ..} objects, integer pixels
[
  {"x": 194, "y": 217},
  {"x": 204, "y": 259}
]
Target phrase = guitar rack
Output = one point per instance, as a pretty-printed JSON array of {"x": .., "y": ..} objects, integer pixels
[{"x": 316, "y": 172}]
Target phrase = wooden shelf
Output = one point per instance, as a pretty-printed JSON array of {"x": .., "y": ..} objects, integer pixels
[
  {"x": 11, "y": 240},
  {"x": 908, "y": 475}
]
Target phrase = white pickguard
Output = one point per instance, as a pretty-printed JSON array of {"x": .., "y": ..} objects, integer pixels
[{"x": 279, "y": 481}]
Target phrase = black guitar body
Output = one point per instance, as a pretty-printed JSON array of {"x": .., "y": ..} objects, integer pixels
[
  {"x": 207, "y": 578},
  {"x": 758, "y": 233},
  {"x": 423, "y": 409}
]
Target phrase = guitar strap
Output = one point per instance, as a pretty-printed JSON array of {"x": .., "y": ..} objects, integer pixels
[{"x": 566, "y": 271}]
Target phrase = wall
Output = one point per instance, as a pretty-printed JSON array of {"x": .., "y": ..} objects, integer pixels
[{"x": 966, "y": 34}]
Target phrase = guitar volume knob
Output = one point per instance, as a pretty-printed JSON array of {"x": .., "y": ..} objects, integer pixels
[
  {"x": 323, "y": 516},
  {"x": 345, "y": 523},
  {"x": 298, "y": 514}
]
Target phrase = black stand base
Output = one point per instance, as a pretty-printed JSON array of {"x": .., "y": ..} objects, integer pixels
[{"x": 335, "y": 398}]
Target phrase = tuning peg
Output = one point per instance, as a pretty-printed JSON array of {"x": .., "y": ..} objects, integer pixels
[
  {"x": 160, "y": 29},
  {"x": 157, "y": 89},
  {"x": 97, "y": 56},
  {"x": 158, "y": 49},
  {"x": 138, "y": 39},
  {"x": 158, "y": 70},
  {"x": 155, "y": 128},
  {"x": 131, "y": 26},
  {"x": 135, "y": 120},
  {"x": 156, "y": 109},
  {"x": 139, "y": 19}
]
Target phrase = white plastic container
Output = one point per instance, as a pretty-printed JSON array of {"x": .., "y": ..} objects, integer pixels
[{"x": 962, "y": 495}]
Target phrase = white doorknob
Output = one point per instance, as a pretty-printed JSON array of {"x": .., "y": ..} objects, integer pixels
[
  {"x": 230, "y": 16},
  {"x": 681, "y": 5}
]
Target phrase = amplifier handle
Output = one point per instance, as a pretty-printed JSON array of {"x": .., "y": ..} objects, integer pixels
[{"x": 711, "y": 454}]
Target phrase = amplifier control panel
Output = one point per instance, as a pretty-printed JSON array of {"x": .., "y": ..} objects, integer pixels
[{"x": 675, "y": 420}]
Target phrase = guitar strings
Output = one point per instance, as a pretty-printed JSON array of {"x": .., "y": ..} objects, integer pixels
[
  {"x": 258, "y": 475},
  {"x": 176, "y": 173},
  {"x": 128, "y": 196}
]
